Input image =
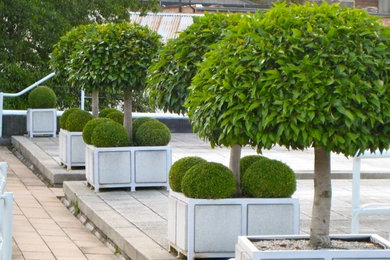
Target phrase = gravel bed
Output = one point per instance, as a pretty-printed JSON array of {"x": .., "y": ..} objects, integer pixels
[{"x": 303, "y": 244}]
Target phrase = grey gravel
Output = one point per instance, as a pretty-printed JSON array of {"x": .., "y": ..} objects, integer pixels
[{"x": 293, "y": 244}]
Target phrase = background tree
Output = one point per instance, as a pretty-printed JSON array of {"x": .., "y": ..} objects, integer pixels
[
  {"x": 304, "y": 76},
  {"x": 108, "y": 57},
  {"x": 170, "y": 75},
  {"x": 30, "y": 28}
]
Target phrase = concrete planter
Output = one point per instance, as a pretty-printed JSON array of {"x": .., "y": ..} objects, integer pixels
[
  {"x": 72, "y": 148},
  {"x": 127, "y": 167},
  {"x": 245, "y": 250},
  {"x": 41, "y": 122},
  {"x": 209, "y": 228}
]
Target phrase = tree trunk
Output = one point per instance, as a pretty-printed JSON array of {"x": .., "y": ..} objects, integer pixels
[
  {"x": 95, "y": 103},
  {"x": 319, "y": 230},
  {"x": 127, "y": 119},
  {"x": 234, "y": 165}
]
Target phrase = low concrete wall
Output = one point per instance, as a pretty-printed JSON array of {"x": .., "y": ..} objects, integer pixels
[{"x": 15, "y": 124}]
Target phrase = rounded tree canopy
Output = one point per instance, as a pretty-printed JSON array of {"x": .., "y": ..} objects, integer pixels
[
  {"x": 112, "y": 55},
  {"x": 302, "y": 76},
  {"x": 170, "y": 77}
]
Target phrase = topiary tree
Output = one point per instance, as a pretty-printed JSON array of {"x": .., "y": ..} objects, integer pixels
[
  {"x": 77, "y": 120},
  {"x": 247, "y": 161},
  {"x": 208, "y": 180},
  {"x": 180, "y": 168},
  {"x": 42, "y": 97},
  {"x": 116, "y": 116},
  {"x": 152, "y": 133},
  {"x": 303, "y": 76},
  {"x": 268, "y": 179},
  {"x": 105, "y": 111},
  {"x": 138, "y": 122},
  {"x": 114, "y": 56},
  {"x": 90, "y": 127},
  {"x": 170, "y": 76},
  {"x": 109, "y": 134},
  {"x": 65, "y": 115}
]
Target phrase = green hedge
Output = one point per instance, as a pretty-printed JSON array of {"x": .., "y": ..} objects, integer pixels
[
  {"x": 42, "y": 97},
  {"x": 179, "y": 169}
]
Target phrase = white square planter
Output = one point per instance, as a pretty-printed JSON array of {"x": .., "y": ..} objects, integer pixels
[
  {"x": 127, "y": 167},
  {"x": 41, "y": 122},
  {"x": 72, "y": 148},
  {"x": 245, "y": 250},
  {"x": 209, "y": 228}
]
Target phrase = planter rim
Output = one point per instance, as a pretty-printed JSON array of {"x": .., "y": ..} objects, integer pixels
[
  {"x": 247, "y": 242},
  {"x": 70, "y": 132},
  {"x": 126, "y": 148},
  {"x": 181, "y": 196}
]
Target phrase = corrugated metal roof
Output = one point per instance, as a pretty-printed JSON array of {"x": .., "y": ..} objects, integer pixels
[{"x": 168, "y": 25}]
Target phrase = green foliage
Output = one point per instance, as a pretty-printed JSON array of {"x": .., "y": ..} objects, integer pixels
[
  {"x": 247, "y": 161},
  {"x": 77, "y": 120},
  {"x": 152, "y": 133},
  {"x": 112, "y": 56},
  {"x": 138, "y": 122},
  {"x": 65, "y": 115},
  {"x": 42, "y": 97},
  {"x": 109, "y": 134},
  {"x": 208, "y": 180},
  {"x": 105, "y": 111},
  {"x": 170, "y": 77},
  {"x": 302, "y": 76},
  {"x": 90, "y": 127},
  {"x": 180, "y": 168},
  {"x": 268, "y": 179},
  {"x": 30, "y": 28},
  {"x": 116, "y": 116}
]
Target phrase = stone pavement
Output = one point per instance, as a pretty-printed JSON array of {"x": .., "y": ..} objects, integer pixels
[
  {"x": 43, "y": 227},
  {"x": 137, "y": 223}
]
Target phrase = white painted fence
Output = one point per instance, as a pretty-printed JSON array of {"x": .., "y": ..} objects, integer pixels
[{"x": 6, "y": 204}]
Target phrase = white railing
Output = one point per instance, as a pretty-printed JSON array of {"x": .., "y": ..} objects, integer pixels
[
  {"x": 3, "y": 95},
  {"x": 6, "y": 205},
  {"x": 372, "y": 208}
]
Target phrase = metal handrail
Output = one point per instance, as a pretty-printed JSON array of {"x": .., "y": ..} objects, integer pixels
[{"x": 2, "y": 95}]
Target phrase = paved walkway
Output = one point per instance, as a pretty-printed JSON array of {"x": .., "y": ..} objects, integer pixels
[{"x": 43, "y": 227}]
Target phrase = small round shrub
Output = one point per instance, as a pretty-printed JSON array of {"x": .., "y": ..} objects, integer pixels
[
  {"x": 208, "y": 180},
  {"x": 139, "y": 121},
  {"x": 110, "y": 134},
  {"x": 65, "y": 115},
  {"x": 42, "y": 97},
  {"x": 152, "y": 133},
  {"x": 116, "y": 116},
  {"x": 77, "y": 120},
  {"x": 105, "y": 111},
  {"x": 179, "y": 169},
  {"x": 247, "y": 161},
  {"x": 90, "y": 127},
  {"x": 268, "y": 179}
]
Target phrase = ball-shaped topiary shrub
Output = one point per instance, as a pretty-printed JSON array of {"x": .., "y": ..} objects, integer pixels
[
  {"x": 208, "y": 180},
  {"x": 116, "y": 116},
  {"x": 42, "y": 97},
  {"x": 110, "y": 134},
  {"x": 268, "y": 179},
  {"x": 179, "y": 169},
  {"x": 90, "y": 127},
  {"x": 152, "y": 133},
  {"x": 247, "y": 161},
  {"x": 65, "y": 115},
  {"x": 77, "y": 120},
  {"x": 105, "y": 111},
  {"x": 139, "y": 121}
]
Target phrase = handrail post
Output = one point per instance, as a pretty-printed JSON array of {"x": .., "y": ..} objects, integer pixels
[
  {"x": 1, "y": 113},
  {"x": 82, "y": 101}
]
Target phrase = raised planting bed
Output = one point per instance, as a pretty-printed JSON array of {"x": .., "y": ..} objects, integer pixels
[
  {"x": 246, "y": 250},
  {"x": 41, "y": 122},
  {"x": 205, "y": 228},
  {"x": 127, "y": 167},
  {"x": 72, "y": 148}
]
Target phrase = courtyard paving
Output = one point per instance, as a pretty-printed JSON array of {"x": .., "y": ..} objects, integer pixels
[{"x": 140, "y": 218}]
